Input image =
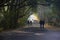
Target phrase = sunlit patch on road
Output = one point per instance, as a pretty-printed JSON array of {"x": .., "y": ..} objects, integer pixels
[{"x": 39, "y": 34}]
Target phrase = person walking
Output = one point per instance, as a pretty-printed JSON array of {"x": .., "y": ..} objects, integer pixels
[{"x": 42, "y": 22}]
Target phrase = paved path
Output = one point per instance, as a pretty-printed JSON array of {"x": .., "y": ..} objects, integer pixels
[
  {"x": 17, "y": 35},
  {"x": 30, "y": 33}
]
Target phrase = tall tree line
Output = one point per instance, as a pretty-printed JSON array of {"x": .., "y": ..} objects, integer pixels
[{"x": 14, "y": 10}]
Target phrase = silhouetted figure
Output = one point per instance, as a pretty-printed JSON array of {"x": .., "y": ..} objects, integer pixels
[
  {"x": 29, "y": 22},
  {"x": 42, "y": 22}
]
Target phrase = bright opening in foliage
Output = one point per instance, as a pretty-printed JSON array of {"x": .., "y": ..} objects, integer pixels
[{"x": 33, "y": 17}]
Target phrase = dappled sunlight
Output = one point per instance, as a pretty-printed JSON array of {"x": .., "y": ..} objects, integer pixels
[{"x": 38, "y": 34}]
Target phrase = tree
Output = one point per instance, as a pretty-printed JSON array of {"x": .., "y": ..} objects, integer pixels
[
  {"x": 16, "y": 9},
  {"x": 54, "y": 17}
]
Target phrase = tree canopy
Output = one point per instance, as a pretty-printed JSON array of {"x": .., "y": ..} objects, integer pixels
[{"x": 14, "y": 10}]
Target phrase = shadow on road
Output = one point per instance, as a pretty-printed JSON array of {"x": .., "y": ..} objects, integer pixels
[
  {"x": 34, "y": 29},
  {"x": 1, "y": 37}
]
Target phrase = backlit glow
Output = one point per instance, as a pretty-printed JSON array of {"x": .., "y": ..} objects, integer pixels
[{"x": 33, "y": 17}]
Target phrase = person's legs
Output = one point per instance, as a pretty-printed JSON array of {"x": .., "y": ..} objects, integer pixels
[
  {"x": 40, "y": 26},
  {"x": 30, "y": 22},
  {"x": 43, "y": 26}
]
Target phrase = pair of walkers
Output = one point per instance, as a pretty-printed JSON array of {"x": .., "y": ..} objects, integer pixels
[{"x": 29, "y": 22}]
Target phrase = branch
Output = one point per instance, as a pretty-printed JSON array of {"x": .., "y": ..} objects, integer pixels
[
  {"x": 4, "y": 2},
  {"x": 24, "y": 13},
  {"x": 22, "y": 1}
]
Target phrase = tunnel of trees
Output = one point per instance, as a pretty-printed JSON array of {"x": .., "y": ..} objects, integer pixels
[{"x": 14, "y": 13}]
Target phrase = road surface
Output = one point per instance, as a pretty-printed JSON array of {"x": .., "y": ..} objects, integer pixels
[{"x": 30, "y": 33}]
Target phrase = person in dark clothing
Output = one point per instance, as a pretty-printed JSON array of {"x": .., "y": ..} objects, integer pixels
[
  {"x": 42, "y": 22},
  {"x": 29, "y": 22}
]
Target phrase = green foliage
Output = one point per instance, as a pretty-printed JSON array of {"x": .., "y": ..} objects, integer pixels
[
  {"x": 54, "y": 17},
  {"x": 18, "y": 10}
]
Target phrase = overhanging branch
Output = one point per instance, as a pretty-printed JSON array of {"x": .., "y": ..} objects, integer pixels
[{"x": 24, "y": 13}]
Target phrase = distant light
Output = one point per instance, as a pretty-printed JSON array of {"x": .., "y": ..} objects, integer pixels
[
  {"x": 33, "y": 17},
  {"x": 6, "y": 7}
]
